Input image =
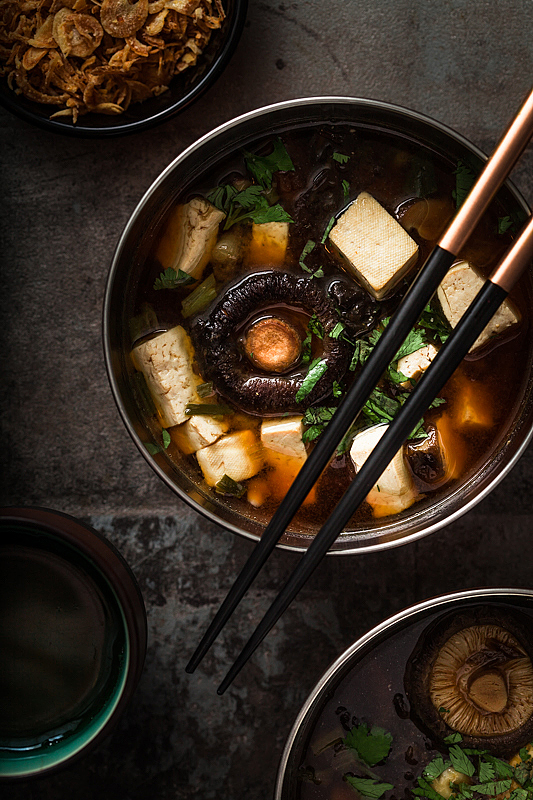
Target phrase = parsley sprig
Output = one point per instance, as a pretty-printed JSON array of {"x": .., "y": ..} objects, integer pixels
[
  {"x": 170, "y": 279},
  {"x": 248, "y": 204}
]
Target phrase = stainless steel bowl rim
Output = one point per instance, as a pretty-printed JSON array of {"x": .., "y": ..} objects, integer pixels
[
  {"x": 183, "y": 156},
  {"x": 432, "y": 604}
]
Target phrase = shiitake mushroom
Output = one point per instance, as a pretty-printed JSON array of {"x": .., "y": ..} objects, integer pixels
[
  {"x": 472, "y": 673},
  {"x": 227, "y": 339}
]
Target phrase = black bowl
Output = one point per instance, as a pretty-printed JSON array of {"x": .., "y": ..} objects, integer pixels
[{"x": 183, "y": 90}]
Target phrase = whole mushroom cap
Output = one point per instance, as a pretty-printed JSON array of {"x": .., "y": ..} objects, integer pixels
[{"x": 472, "y": 673}]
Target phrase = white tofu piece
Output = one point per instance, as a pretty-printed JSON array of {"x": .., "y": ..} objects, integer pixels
[
  {"x": 269, "y": 242},
  {"x": 374, "y": 245},
  {"x": 237, "y": 455},
  {"x": 284, "y": 435},
  {"x": 394, "y": 490},
  {"x": 412, "y": 365},
  {"x": 457, "y": 290},
  {"x": 166, "y": 363},
  {"x": 190, "y": 236},
  {"x": 199, "y": 431}
]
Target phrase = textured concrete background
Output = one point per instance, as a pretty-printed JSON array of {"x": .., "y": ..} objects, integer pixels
[{"x": 466, "y": 62}]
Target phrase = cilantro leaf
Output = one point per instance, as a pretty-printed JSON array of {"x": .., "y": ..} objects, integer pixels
[
  {"x": 315, "y": 419},
  {"x": 460, "y": 761},
  {"x": 372, "y": 745},
  {"x": 316, "y": 369},
  {"x": 207, "y": 409},
  {"x": 329, "y": 226},
  {"x": 315, "y": 326},
  {"x": 453, "y": 738},
  {"x": 464, "y": 180},
  {"x": 493, "y": 787},
  {"x": 338, "y": 391},
  {"x": 435, "y": 768},
  {"x": 308, "y": 247},
  {"x": 337, "y": 331},
  {"x": 369, "y": 787},
  {"x": 170, "y": 279},
  {"x": 425, "y": 789},
  {"x": 227, "y": 485},
  {"x": 345, "y": 189},
  {"x": 504, "y": 223},
  {"x": 486, "y": 771},
  {"x": 152, "y": 448},
  {"x": 248, "y": 204},
  {"x": 341, "y": 158},
  {"x": 502, "y": 768},
  {"x": 166, "y": 438},
  {"x": 262, "y": 168}
]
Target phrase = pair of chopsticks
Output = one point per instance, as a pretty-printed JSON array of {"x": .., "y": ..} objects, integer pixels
[{"x": 475, "y": 318}]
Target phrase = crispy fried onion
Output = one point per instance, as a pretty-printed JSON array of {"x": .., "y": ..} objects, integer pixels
[{"x": 101, "y": 55}]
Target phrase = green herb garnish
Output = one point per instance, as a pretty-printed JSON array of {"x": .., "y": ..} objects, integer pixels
[
  {"x": 166, "y": 438},
  {"x": 200, "y": 297},
  {"x": 504, "y": 223},
  {"x": 435, "y": 768},
  {"x": 341, "y": 158},
  {"x": 227, "y": 485},
  {"x": 262, "y": 168},
  {"x": 345, "y": 189},
  {"x": 170, "y": 279},
  {"x": 317, "y": 368},
  {"x": 337, "y": 331},
  {"x": 369, "y": 787},
  {"x": 152, "y": 448},
  {"x": 249, "y": 204},
  {"x": 461, "y": 762},
  {"x": 207, "y": 409},
  {"x": 315, "y": 419},
  {"x": 464, "y": 180},
  {"x": 308, "y": 247},
  {"x": 372, "y": 745},
  {"x": 205, "y": 389},
  {"x": 329, "y": 226}
]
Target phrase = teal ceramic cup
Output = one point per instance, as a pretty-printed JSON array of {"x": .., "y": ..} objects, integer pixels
[{"x": 72, "y": 640}]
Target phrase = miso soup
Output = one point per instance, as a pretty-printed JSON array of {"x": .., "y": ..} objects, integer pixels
[{"x": 252, "y": 316}]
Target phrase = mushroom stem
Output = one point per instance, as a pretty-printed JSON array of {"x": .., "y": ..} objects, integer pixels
[
  {"x": 488, "y": 692},
  {"x": 273, "y": 344}
]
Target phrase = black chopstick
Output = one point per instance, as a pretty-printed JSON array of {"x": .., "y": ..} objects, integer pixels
[
  {"x": 483, "y": 307},
  {"x": 494, "y": 173}
]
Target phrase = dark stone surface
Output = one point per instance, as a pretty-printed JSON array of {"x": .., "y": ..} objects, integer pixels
[{"x": 65, "y": 202}]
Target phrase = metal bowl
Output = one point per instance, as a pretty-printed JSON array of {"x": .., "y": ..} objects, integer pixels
[
  {"x": 426, "y": 516},
  {"x": 183, "y": 90},
  {"x": 367, "y": 680}
]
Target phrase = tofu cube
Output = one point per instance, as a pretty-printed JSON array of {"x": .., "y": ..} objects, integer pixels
[
  {"x": 415, "y": 363},
  {"x": 189, "y": 237},
  {"x": 284, "y": 435},
  {"x": 199, "y": 431},
  {"x": 457, "y": 290},
  {"x": 269, "y": 243},
  {"x": 394, "y": 490},
  {"x": 375, "y": 247},
  {"x": 166, "y": 363},
  {"x": 238, "y": 455}
]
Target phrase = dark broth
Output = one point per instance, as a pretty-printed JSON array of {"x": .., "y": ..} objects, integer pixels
[
  {"x": 370, "y": 690},
  {"x": 61, "y": 644},
  {"x": 396, "y": 172}
]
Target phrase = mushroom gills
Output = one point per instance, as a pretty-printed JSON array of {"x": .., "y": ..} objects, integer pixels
[{"x": 472, "y": 673}]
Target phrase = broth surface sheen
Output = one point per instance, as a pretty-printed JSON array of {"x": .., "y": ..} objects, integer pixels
[
  {"x": 332, "y": 165},
  {"x": 61, "y": 643},
  {"x": 368, "y": 690}
]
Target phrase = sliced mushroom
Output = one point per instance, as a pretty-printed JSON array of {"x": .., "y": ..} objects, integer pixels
[{"x": 472, "y": 674}]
